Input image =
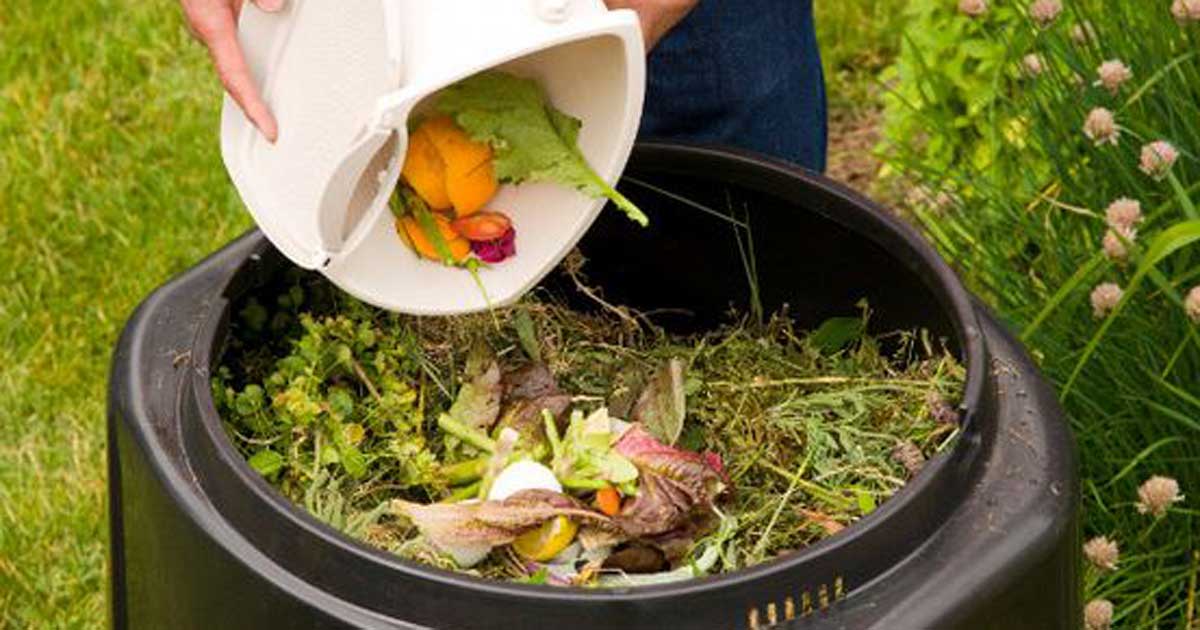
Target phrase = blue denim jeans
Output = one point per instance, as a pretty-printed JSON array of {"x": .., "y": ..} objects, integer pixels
[{"x": 741, "y": 73}]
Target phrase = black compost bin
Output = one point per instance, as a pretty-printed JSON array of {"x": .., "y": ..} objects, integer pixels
[{"x": 985, "y": 536}]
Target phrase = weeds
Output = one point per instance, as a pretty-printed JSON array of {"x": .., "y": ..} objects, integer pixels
[{"x": 342, "y": 416}]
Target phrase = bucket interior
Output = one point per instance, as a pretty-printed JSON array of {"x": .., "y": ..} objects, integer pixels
[
  {"x": 718, "y": 242},
  {"x": 587, "y": 79}
]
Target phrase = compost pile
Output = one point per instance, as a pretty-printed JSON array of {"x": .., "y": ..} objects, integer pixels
[{"x": 543, "y": 444}]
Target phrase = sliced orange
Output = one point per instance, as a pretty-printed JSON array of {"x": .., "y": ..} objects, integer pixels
[
  {"x": 413, "y": 236},
  {"x": 425, "y": 170},
  {"x": 470, "y": 177}
]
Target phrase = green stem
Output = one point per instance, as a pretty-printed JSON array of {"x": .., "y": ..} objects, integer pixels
[
  {"x": 1189, "y": 208},
  {"x": 575, "y": 483},
  {"x": 761, "y": 546},
  {"x": 634, "y": 213},
  {"x": 464, "y": 493},
  {"x": 465, "y": 472},
  {"x": 556, "y": 447},
  {"x": 1065, "y": 291},
  {"x": 424, "y": 217},
  {"x": 818, "y": 492},
  {"x": 474, "y": 437}
]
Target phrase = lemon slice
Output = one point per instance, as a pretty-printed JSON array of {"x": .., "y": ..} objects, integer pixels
[{"x": 547, "y": 541}]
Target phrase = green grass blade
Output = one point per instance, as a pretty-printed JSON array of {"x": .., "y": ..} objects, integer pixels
[
  {"x": 1167, "y": 243},
  {"x": 1069, "y": 287},
  {"x": 1137, "y": 460}
]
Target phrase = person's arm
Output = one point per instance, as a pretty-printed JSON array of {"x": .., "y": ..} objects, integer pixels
[
  {"x": 214, "y": 22},
  {"x": 658, "y": 16}
]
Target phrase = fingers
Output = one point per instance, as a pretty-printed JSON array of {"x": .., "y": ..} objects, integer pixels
[
  {"x": 220, "y": 35},
  {"x": 270, "y": 6}
]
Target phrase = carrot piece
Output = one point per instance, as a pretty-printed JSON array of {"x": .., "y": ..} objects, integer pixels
[
  {"x": 425, "y": 170},
  {"x": 608, "y": 500},
  {"x": 470, "y": 176},
  {"x": 483, "y": 226}
]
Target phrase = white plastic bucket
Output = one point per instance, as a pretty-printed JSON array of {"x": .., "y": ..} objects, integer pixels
[{"x": 344, "y": 76}]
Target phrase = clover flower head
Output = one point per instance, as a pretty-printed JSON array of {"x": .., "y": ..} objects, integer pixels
[
  {"x": 1114, "y": 246},
  {"x": 1105, "y": 298},
  {"x": 1157, "y": 494},
  {"x": 1113, "y": 74},
  {"x": 1102, "y": 553},
  {"x": 1192, "y": 304},
  {"x": 1101, "y": 127},
  {"x": 973, "y": 8},
  {"x": 1098, "y": 615},
  {"x": 1186, "y": 11},
  {"x": 1124, "y": 214},
  {"x": 1034, "y": 64},
  {"x": 1158, "y": 158},
  {"x": 1044, "y": 12}
]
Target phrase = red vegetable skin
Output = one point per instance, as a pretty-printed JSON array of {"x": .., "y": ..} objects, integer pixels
[{"x": 483, "y": 226}]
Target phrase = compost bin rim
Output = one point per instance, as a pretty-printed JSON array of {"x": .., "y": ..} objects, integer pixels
[{"x": 944, "y": 285}]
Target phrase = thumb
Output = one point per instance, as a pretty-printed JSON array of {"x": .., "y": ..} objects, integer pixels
[{"x": 270, "y": 5}]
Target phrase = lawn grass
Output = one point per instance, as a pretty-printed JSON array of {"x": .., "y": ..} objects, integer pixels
[
  {"x": 110, "y": 183},
  {"x": 858, "y": 41}
]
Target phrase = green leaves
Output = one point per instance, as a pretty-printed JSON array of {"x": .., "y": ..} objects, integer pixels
[
  {"x": 343, "y": 388},
  {"x": 532, "y": 141},
  {"x": 950, "y": 93},
  {"x": 249, "y": 401},
  {"x": 585, "y": 453},
  {"x": 836, "y": 333},
  {"x": 268, "y": 463}
]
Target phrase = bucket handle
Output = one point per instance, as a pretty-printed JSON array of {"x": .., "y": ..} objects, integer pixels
[{"x": 341, "y": 222}]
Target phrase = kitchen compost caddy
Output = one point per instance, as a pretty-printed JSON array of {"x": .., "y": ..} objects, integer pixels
[{"x": 345, "y": 77}]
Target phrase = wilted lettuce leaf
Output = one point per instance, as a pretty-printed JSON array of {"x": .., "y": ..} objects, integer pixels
[
  {"x": 527, "y": 391},
  {"x": 588, "y": 453},
  {"x": 478, "y": 402},
  {"x": 532, "y": 140},
  {"x": 662, "y": 406},
  {"x": 836, "y": 333},
  {"x": 468, "y": 531},
  {"x": 673, "y": 484}
]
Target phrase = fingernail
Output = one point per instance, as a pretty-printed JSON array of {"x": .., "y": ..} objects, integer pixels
[
  {"x": 270, "y": 129},
  {"x": 266, "y": 125},
  {"x": 271, "y": 5}
]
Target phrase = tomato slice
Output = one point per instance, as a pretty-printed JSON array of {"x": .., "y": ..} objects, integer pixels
[{"x": 482, "y": 226}]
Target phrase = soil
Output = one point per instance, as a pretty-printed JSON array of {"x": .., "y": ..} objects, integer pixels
[{"x": 853, "y": 136}]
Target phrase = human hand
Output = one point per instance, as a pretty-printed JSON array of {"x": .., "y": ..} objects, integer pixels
[
  {"x": 214, "y": 23},
  {"x": 658, "y": 16}
]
